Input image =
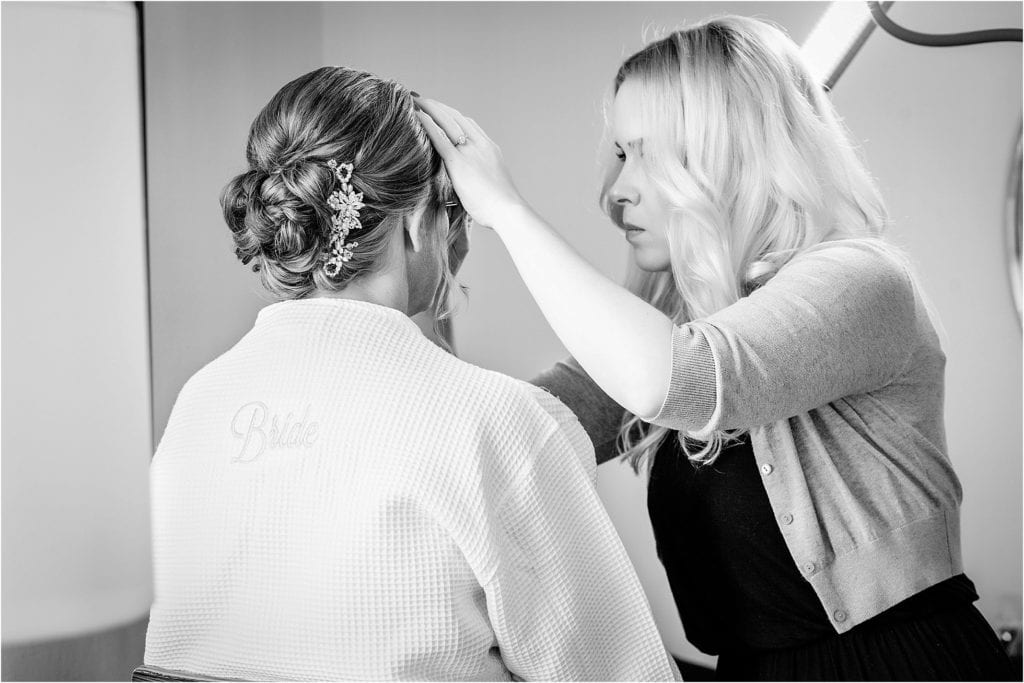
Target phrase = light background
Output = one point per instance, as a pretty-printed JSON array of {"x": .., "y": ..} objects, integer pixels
[{"x": 76, "y": 366}]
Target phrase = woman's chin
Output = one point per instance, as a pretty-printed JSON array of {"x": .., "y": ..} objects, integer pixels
[{"x": 651, "y": 263}]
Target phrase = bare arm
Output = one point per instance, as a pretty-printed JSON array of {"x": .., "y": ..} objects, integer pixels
[{"x": 623, "y": 342}]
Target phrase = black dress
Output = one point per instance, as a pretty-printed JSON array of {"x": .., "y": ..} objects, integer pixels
[{"x": 741, "y": 596}]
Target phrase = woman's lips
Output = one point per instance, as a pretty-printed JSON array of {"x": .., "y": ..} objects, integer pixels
[{"x": 631, "y": 230}]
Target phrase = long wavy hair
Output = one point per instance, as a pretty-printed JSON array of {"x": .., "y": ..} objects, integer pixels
[
  {"x": 278, "y": 211},
  {"x": 756, "y": 166}
]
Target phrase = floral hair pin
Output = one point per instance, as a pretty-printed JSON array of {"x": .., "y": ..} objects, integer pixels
[{"x": 345, "y": 202}]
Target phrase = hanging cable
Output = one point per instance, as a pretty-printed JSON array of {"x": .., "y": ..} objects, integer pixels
[{"x": 997, "y": 35}]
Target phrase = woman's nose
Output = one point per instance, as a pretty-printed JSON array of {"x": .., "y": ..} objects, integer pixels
[{"x": 623, "y": 193}]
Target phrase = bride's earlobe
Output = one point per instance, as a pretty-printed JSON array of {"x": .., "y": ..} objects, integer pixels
[{"x": 414, "y": 228}]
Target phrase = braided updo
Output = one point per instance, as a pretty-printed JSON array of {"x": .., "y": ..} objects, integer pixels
[{"x": 278, "y": 211}]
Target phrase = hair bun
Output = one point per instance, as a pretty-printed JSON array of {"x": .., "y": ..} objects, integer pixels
[
  {"x": 279, "y": 211},
  {"x": 276, "y": 214}
]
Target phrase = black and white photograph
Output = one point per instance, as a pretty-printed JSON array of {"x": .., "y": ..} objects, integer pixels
[{"x": 499, "y": 340}]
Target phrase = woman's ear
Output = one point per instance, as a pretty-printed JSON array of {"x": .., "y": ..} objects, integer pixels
[{"x": 415, "y": 228}]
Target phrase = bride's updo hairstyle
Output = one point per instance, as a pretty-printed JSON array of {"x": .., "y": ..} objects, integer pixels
[{"x": 278, "y": 210}]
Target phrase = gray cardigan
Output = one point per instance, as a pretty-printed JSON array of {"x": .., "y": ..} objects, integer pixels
[{"x": 836, "y": 369}]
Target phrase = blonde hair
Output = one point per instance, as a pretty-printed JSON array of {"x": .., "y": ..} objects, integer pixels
[{"x": 756, "y": 167}]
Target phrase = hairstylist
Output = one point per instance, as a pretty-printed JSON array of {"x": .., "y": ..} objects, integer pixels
[{"x": 775, "y": 335}]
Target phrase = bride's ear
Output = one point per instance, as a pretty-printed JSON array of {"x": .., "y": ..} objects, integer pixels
[{"x": 415, "y": 228}]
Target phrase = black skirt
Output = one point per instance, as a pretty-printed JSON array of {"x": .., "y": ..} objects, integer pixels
[
  {"x": 951, "y": 645},
  {"x": 741, "y": 596}
]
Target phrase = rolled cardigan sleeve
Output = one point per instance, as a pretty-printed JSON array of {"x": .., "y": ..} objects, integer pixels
[
  {"x": 838, "y": 320},
  {"x": 693, "y": 388}
]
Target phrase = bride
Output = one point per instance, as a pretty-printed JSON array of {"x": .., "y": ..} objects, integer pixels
[{"x": 336, "y": 497}]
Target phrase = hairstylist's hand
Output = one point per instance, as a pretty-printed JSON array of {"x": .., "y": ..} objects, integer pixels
[{"x": 473, "y": 162}]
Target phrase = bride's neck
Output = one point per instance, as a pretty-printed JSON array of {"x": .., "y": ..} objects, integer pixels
[{"x": 387, "y": 286}]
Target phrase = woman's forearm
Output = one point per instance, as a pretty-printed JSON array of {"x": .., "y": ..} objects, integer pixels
[{"x": 623, "y": 342}]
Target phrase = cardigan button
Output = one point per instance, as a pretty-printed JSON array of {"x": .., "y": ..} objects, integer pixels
[
  {"x": 766, "y": 469},
  {"x": 808, "y": 567},
  {"x": 786, "y": 519},
  {"x": 839, "y": 615}
]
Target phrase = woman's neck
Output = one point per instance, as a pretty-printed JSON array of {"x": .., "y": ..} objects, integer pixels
[
  {"x": 382, "y": 288},
  {"x": 386, "y": 286},
  {"x": 394, "y": 284}
]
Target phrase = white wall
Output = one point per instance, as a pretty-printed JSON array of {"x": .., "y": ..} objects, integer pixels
[
  {"x": 76, "y": 392},
  {"x": 939, "y": 126}
]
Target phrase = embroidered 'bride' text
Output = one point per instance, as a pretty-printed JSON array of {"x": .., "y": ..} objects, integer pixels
[{"x": 260, "y": 429}]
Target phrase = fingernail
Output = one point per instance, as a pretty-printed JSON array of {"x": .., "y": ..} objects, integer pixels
[{"x": 414, "y": 93}]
